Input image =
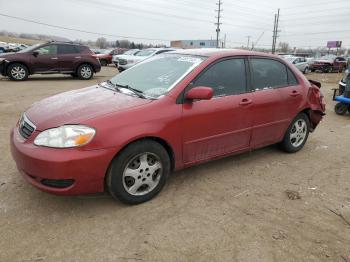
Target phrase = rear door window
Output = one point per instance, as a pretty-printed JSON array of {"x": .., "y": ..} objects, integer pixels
[
  {"x": 67, "y": 49},
  {"x": 227, "y": 77},
  {"x": 47, "y": 50},
  {"x": 268, "y": 73}
]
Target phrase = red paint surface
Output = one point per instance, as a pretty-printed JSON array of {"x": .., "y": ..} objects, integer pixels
[{"x": 195, "y": 131}]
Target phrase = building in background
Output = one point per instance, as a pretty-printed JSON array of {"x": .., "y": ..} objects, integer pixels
[{"x": 187, "y": 44}]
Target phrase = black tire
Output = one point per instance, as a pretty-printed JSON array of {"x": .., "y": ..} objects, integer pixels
[
  {"x": 312, "y": 70},
  {"x": 83, "y": 70},
  {"x": 117, "y": 183},
  {"x": 287, "y": 144},
  {"x": 327, "y": 69},
  {"x": 17, "y": 72},
  {"x": 340, "y": 109},
  {"x": 103, "y": 62}
]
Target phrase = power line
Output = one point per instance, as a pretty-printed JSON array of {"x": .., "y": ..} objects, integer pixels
[
  {"x": 80, "y": 30},
  {"x": 318, "y": 33},
  {"x": 317, "y": 4}
]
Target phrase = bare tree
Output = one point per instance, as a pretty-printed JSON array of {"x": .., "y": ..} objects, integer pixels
[
  {"x": 101, "y": 42},
  {"x": 284, "y": 47}
]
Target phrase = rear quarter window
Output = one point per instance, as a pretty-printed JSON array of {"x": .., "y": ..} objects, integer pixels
[{"x": 68, "y": 49}]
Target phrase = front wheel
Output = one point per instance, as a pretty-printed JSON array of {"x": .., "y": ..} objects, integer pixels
[
  {"x": 296, "y": 134},
  {"x": 139, "y": 172},
  {"x": 17, "y": 72},
  {"x": 85, "y": 72}
]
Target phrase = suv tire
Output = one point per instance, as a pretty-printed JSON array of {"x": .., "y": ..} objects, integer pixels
[
  {"x": 17, "y": 72},
  {"x": 85, "y": 72}
]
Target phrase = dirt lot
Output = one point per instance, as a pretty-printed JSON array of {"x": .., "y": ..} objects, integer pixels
[{"x": 234, "y": 209}]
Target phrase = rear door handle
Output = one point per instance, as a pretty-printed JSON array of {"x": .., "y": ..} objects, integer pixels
[
  {"x": 245, "y": 102},
  {"x": 77, "y": 57},
  {"x": 294, "y": 93},
  {"x": 54, "y": 58}
]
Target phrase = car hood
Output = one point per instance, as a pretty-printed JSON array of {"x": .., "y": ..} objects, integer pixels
[
  {"x": 7, "y": 55},
  {"x": 77, "y": 106},
  {"x": 322, "y": 61},
  {"x": 101, "y": 55},
  {"x": 123, "y": 57}
]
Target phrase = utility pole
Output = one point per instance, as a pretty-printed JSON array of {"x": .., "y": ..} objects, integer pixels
[
  {"x": 275, "y": 31},
  {"x": 248, "y": 41},
  {"x": 219, "y": 10}
]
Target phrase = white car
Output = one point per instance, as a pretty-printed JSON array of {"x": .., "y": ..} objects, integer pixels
[
  {"x": 127, "y": 53},
  {"x": 130, "y": 60},
  {"x": 300, "y": 62}
]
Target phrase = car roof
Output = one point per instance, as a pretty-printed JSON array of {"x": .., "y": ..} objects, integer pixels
[{"x": 219, "y": 52}]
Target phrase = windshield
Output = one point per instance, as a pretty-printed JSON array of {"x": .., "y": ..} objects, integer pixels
[
  {"x": 290, "y": 59},
  {"x": 29, "y": 48},
  {"x": 105, "y": 51},
  {"x": 131, "y": 52},
  {"x": 145, "y": 53},
  {"x": 158, "y": 75}
]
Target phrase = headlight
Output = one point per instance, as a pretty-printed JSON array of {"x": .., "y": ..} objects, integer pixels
[{"x": 65, "y": 136}]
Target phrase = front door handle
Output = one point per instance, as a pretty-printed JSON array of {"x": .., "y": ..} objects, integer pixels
[
  {"x": 54, "y": 58},
  {"x": 245, "y": 102},
  {"x": 294, "y": 93}
]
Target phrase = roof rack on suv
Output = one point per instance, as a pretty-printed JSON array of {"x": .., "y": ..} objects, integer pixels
[{"x": 64, "y": 42}]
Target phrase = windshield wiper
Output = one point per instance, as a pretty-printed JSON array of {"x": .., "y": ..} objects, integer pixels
[{"x": 139, "y": 93}]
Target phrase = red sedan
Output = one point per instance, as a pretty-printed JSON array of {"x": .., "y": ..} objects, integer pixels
[{"x": 174, "y": 110}]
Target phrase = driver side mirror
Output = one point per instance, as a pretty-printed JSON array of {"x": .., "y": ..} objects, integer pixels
[
  {"x": 35, "y": 53},
  {"x": 199, "y": 93}
]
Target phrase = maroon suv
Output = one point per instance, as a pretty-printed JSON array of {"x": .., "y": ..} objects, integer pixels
[{"x": 50, "y": 58}]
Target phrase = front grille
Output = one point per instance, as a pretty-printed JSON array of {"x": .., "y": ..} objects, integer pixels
[
  {"x": 26, "y": 127},
  {"x": 122, "y": 61}
]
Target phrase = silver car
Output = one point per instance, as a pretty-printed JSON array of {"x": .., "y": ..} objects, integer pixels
[
  {"x": 130, "y": 52},
  {"x": 300, "y": 63},
  {"x": 131, "y": 60}
]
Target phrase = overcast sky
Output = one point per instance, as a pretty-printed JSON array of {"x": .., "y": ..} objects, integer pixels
[{"x": 303, "y": 23}]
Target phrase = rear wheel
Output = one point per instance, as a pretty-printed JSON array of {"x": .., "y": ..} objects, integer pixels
[
  {"x": 327, "y": 69},
  {"x": 296, "y": 134},
  {"x": 85, "y": 72},
  {"x": 103, "y": 62},
  {"x": 17, "y": 72},
  {"x": 340, "y": 109},
  {"x": 139, "y": 172}
]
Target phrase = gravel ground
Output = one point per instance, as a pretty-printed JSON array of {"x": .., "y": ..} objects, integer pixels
[{"x": 233, "y": 209}]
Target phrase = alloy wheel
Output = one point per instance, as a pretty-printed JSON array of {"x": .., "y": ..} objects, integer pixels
[
  {"x": 142, "y": 174},
  {"x": 86, "y": 72},
  {"x": 18, "y": 72},
  {"x": 298, "y": 133}
]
